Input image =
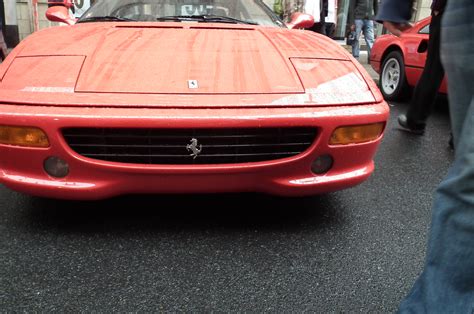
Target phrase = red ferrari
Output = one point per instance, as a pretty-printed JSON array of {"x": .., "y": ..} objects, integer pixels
[
  {"x": 400, "y": 60},
  {"x": 161, "y": 96}
]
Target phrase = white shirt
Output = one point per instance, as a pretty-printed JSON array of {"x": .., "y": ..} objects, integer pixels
[
  {"x": 312, "y": 7},
  {"x": 331, "y": 18}
]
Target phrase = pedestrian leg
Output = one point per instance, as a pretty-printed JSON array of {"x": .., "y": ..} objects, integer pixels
[
  {"x": 369, "y": 36},
  {"x": 356, "y": 44}
]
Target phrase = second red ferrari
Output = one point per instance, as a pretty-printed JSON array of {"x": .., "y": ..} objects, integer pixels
[{"x": 400, "y": 60}]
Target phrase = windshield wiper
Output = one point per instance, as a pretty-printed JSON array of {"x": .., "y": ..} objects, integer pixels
[
  {"x": 224, "y": 19},
  {"x": 105, "y": 19},
  {"x": 205, "y": 18}
]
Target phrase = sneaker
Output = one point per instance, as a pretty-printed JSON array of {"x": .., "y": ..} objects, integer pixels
[{"x": 415, "y": 129}]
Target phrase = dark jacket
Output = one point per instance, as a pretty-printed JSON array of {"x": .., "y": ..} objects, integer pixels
[
  {"x": 438, "y": 5},
  {"x": 399, "y": 11},
  {"x": 396, "y": 11},
  {"x": 362, "y": 10}
]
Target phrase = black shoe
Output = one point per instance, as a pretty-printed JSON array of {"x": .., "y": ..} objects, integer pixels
[{"x": 415, "y": 129}]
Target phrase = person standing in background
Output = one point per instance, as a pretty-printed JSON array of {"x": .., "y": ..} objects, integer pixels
[
  {"x": 446, "y": 284},
  {"x": 324, "y": 13},
  {"x": 322, "y": 17},
  {"x": 331, "y": 18},
  {"x": 3, "y": 45},
  {"x": 361, "y": 15},
  {"x": 316, "y": 10},
  {"x": 414, "y": 120},
  {"x": 290, "y": 7},
  {"x": 278, "y": 8},
  {"x": 319, "y": 10}
]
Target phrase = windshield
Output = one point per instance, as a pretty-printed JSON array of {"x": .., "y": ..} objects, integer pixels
[{"x": 212, "y": 11}]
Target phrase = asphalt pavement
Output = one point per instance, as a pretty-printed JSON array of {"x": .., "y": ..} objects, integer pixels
[{"x": 357, "y": 250}]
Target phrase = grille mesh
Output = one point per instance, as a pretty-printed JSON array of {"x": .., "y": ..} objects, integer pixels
[{"x": 170, "y": 146}]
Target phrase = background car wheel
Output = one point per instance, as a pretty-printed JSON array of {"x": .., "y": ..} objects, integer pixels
[{"x": 393, "y": 83}]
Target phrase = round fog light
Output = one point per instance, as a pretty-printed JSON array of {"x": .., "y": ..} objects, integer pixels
[
  {"x": 56, "y": 167},
  {"x": 322, "y": 164}
]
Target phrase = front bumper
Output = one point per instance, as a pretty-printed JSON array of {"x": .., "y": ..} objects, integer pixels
[{"x": 21, "y": 168}]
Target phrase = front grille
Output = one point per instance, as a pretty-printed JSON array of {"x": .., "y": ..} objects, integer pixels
[{"x": 170, "y": 146}]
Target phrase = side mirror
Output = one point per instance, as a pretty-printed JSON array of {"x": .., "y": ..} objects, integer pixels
[
  {"x": 59, "y": 14},
  {"x": 300, "y": 20}
]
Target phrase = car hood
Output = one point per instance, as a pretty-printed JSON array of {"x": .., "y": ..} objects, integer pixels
[
  {"x": 182, "y": 61},
  {"x": 126, "y": 59}
]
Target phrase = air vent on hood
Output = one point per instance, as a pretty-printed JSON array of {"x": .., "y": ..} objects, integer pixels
[{"x": 222, "y": 26}]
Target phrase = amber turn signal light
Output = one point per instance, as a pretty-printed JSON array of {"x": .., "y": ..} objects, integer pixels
[
  {"x": 23, "y": 136},
  {"x": 356, "y": 134}
]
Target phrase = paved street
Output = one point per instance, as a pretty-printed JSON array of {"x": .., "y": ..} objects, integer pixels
[{"x": 357, "y": 250}]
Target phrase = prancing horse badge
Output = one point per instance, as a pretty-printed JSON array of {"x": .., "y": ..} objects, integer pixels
[
  {"x": 193, "y": 147},
  {"x": 193, "y": 84}
]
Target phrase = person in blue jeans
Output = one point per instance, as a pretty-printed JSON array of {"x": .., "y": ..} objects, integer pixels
[
  {"x": 361, "y": 16},
  {"x": 446, "y": 284}
]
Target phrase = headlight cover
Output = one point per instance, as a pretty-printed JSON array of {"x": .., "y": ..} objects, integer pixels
[{"x": 329, "y": 82}]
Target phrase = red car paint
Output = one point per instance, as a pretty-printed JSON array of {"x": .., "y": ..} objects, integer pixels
[
  {"x": 409, "y": 44},
  {"x": 124, "y": 75}
]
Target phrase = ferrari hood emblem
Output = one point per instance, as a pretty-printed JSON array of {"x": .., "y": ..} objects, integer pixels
[
  {"x": 193, "y": 148},
  {"x": 193, "y": 84}
]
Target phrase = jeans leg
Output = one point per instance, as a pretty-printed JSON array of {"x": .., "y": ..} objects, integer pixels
[
  {"x": 457, "y": 55},
  {"x": 369, "y": 36},
  {"x": 356, "y": 45},
  {"x": 446, "y": 284}
]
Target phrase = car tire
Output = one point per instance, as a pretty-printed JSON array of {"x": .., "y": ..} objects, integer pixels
[{"x": 393, "y": 83}]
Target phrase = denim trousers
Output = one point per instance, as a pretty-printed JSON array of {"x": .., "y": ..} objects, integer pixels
[
  {"x": 367, "y": 27},
  {"x": 446, "y": 284}
]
